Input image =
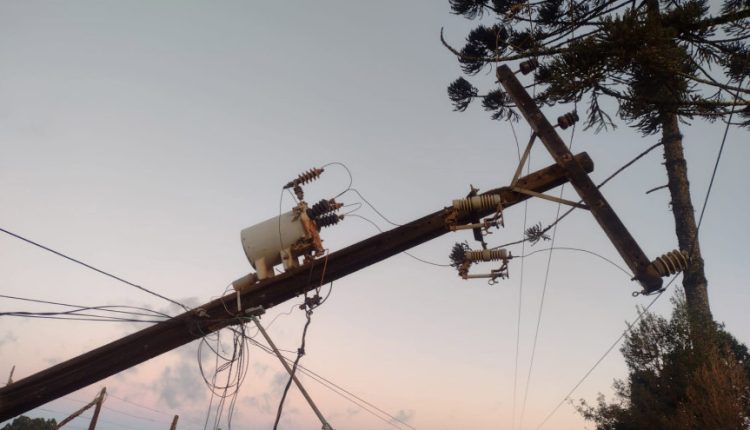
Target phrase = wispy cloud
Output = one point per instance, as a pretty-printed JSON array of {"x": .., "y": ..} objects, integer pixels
[
  {"x": 404, "y": 416},
  {"x": 180, "y": 384}
]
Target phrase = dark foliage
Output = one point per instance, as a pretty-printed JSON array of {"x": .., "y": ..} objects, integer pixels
[
  {"x": 461, "y": 92},
  {"x": 26, "y": 423},
  {"x": 671, "y": 384},
  {"x": 653, "y": 58}
]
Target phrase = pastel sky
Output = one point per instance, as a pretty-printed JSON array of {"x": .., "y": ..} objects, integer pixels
[{"x": 142, "y": 136}]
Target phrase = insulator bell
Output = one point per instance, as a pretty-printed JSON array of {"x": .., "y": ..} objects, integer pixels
[
  {"x": 529, "y": 66},
  {"x": 327, "y": 220},
  {"x": 567, "y": 120},
  {"x": 487, "y": 255},
  {"x": 323, "y": 207},
  {"x": 484, "y": 202},
  {"x": 671, "y": 263},
  {"x": 305, "y": 177}
]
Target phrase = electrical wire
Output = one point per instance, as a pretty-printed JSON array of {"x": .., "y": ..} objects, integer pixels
[
  {"x": 569, "y": 248},
  {"x": 88, "y": 266},
  {"x": 520, "y": 286},
  {"x": 355, "y": 191},
  {"x": 432, "y": 263},
  {"x": 603, "y": 356},
  {"x": 108, "y": 308},
  {"x": 349, "y": 172},
  {"x": 661, "y": 292},
  {"x": 346, "y": 394},
  {"x": 718, "y": 156},
  {"x": 601, "y": 184},
  {"x": 544, "y": 293},
  {"x": 295, "y": 364}
]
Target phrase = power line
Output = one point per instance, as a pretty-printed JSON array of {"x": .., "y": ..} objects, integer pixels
[
  {"x": 520, "y": 287},
  {"x": 611, "y": 347},
  {"x": 698, "y": 227},
  {"x": 421, "y": 260},
  {"x": 346, "y": 394},
  {"x": 106, "y": 308},
  {"x": 88, "y": 266},
  {"x": 718, "y": 157},
  {"x": 544, "y": 292}
]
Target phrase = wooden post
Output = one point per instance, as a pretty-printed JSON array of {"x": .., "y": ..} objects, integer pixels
[
  {"x": 603, "y": 213},
  {"x": 98, "y": 408},
  {"x": 10, "y": 377},
  {"x": 97, "y": 401},
  {"x": 174, "y": 423}
]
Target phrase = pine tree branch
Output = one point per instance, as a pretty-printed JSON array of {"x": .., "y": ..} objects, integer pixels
[
  {"x": 499, "y": 59},
  {"x": 727, "y": 18},
  {"x": 714, "y": 83}
]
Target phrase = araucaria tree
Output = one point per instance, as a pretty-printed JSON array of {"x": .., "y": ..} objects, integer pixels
[
  {"x": 663, "y": 63},
  {"x": 670, "y": 387}
]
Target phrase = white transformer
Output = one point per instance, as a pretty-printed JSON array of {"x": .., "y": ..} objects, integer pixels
[{"x": 280, "y": 240}]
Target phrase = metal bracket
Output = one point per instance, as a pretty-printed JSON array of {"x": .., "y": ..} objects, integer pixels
[
  {"x": 522, "y": 161},
  {"x": 550, "y": 198}
]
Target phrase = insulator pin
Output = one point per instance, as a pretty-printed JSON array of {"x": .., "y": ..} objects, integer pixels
[
  {"x": 484, "y": 202},
  {"x": 327, "y": 220},
  {"x": 304, "y": 178},
  {"x": 486, "y": 255},
  {"x": 567, "y": 120},
  {"x": 671, "y": 263},
  {"x": 299, "y": 192},
  {"x": 529, "y": 66}
]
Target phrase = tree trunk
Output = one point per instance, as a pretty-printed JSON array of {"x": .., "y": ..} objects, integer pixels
[{"x": 694, "y": 279}]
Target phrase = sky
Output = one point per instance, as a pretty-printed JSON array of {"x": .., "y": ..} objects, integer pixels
[{"x": 141, "y": 137}]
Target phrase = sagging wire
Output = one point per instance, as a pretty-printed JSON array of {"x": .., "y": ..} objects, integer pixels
[
  {"x": 534, "y": 235},
  {"x": 660, "y": 292},
  {"x": 106, "y": 308},
  {"x": 90, "y": 267},
  {"x": 309, "y": 304},
  {"x": 520, "y": 284},
  {"x": 601, "y": 184},
  {"x": 432, "y": 263},
  {"x": 344, "y": 393},
  {"x": 234, "y": 365}
]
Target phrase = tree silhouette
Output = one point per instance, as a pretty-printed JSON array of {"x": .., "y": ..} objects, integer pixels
[
  {"x": 672, "y": 384},
  {"x": 25, "y": 423}
]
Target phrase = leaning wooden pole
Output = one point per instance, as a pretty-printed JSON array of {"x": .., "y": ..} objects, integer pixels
[
  {"x": 107, "y": 360},
  {"x": 97, "y": 409}
]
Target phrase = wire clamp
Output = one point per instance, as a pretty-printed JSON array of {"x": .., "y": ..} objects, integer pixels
[{"x": 255, "y": 311}]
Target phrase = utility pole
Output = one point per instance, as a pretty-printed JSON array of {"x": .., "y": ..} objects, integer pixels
[
  {"x": 109, "y": 359},
  {"x": 100, "y": 400},
  {"x": 645, "y": 272},
  {"x": 174, "y": 423},
  {"x": 97, "y": 401}
]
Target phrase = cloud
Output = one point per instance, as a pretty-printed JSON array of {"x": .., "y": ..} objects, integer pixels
[
  {"x": 279, "y": 382},
  {"x": 8, "y": 337},
  {"x": 262, "y": 403},
  {"x": 180, "y": 384},
  {"x": 404, "y": 415},
  {"x": 259, "y": 368}
]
